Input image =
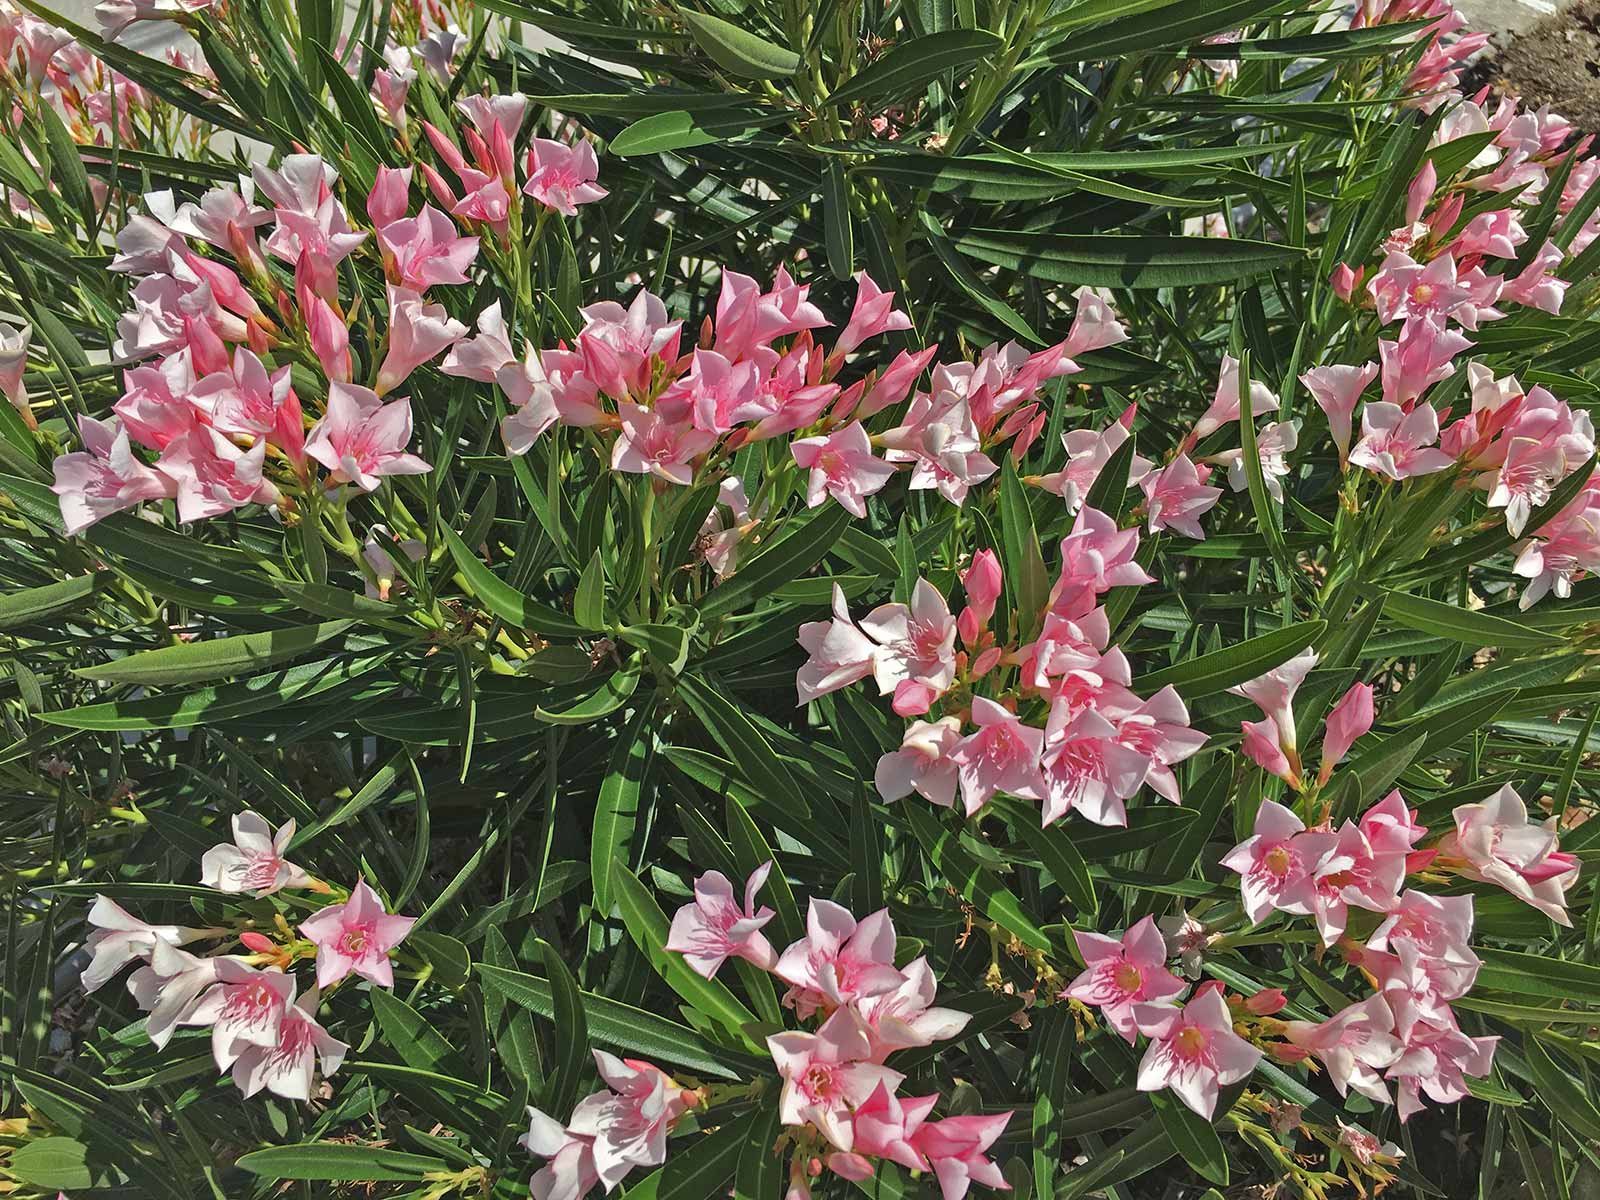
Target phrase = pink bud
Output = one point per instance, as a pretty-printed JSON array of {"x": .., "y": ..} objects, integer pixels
[
  {"x": 986, "y": 662},
  {"x": 1350, "y": 718},
  {"x": 1345, "y": 281},
  {"x": 912, "y": 699},
  {"x": 1420, "y": 192},
  {"x": 1286, "y": 1052},
  {"x": 390, "y": 196},
  {"x": 329, "y": 339},
  {"x": 1266, "y": 1002},
  {"x": 983, "y": 580},
  {"x": 259, "y": 942},
  {"x": 1261, "y": 744}
]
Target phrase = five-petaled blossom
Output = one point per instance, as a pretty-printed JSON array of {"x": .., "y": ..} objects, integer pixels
[
  {"x": 356, "y": 936},
  {"x": 716, "y": 928}
]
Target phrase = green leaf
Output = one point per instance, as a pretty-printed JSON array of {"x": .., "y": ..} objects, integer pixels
[
  {"x": 1567, "y": 1100},
  {"x": 760, "y": 1170},
  {"x": 1462, "y": 624},
  {"x": 839, "y": 238},
  {"x": 738, "y": 51},
  {"x": 1025, "y": 577},
  {"x": 668, "y": 645},
  {"x": 1529, "y": 975},
  {"x": 1132, "y": 261},
  {"x": 790, "y": 557},
  {"x": 500, "y": 598},
  {"x": 704, "y": 1167},
  {"x": 647, "y": 925},
  {"x": 1055, "y": 848},
  {"x": 750, "y": 851},
  {"x": 1193, "y": 1135},
  {"x": 589, "y": 602},
  {"x": 742, "y": 741},
  {"x": 616, "y": 811},
  {"x": 49, "y": 600},
  {"x": 408, "y": 1033},
  {"x": 66, "y": 165},
  {"x": 196, "y": 662},
  {"x": 511, "y": 1027},
  {"x": 60, "y": 1163},
  {"x": 606, "y": 699},
  {"x": 339, "y": 1161},
  {"x": 568, "y": 1013},
  {"x": 680, "y": 130},
  {"x": 973, "y": 880},
  {"x": 967, "y": 280},
  {"x": 626, "y": 1028},
  {"x": 907, "y": 67},
  {"x": 1208, "y": 674}
]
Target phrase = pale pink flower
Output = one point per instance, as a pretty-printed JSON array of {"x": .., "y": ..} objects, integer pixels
[
  {"x": 940, "y": 438},
  {"x": 244, "y": 1007},
  {"x": 1404, "y": 288},
  {"x": 827, "y": 1074},
  {"x": 715, "y": 928},
  {"x": 629, "y": 1124},
  {"x": 1177, "y": 496},
  {"x": 1349, "y": 872},
  {"x": 1262, "y": 743},
  {"x": 418, "y": 333},
  {"x": 885, "y": 1125},
  {"x": 119, "y": 938},
  {"x": 1087, "y": 768},
  {"x": 1440, "y": 929},
  {"x": 843, "y": 466},
  {"x": 652, "y": 445},
  {"x": 622, "y": 346},
  {"x": 1088, "y": 451},
  {"x": 1121, "y": 972},
  {"x": 1274, "y": 441},
  {"x": 1537, "y": 286},
  {"x": 915, "y": 657},
  {"x": 214, "y": 475},
  {"x": 1351, "y": 717},
  {"x": 1002, "y": 755},
  {"x": 438, "y": 51},
  {"x": 1435, "y": 1062},
  {"x": 225, "y": 218},
  {"x": 330, "y": 337},
  {"x": 287, "y": 1068},
  {"x": 1496, "y": 843},
  {"x": 748, "y": 318},
  {"x": 1397, "y": 444},
  {"x": 561, "y": 177},
  {"x": 356, "y": 936},
  {"x": 360, "y": 439},
  {"x": 958, "y": 1148},
  {"x": 874, "y": 314},
  {"x": 1273, "y": 693},
  {"x": 1094, "y": 323},
  {"x": 247, "y": 401},
  {"x": 104, "y": 477},
  {"x": 840, "y": 960},
  {"x": 1227, "y": 403},
  {"x": 569, "y": 1172},
  {"x": 1276, "y": 861},
  {"x": 13, "y": 362},
  {"x": 922, "y": 764},
  {"x": 424, "y": 250},
  {"x": 481, "y": 357},
  {"x": 1494, "y": 234},
  {"x": 391, "y": 86},
  {"x": 389, "y": 198},
  {"x": 906, "y": 1015},
  {"x": 1391, "y": 827},
  {"x": 1193, "y": 1050},
  {"x": 840, "y": 654},
  {"x": 1423, "y": 355},
  {"x": 1336, "y": 389},
  {"x": 167, "y": 987},
  {"x": 505, "y": 112},
  {"x": 896, "y": 381},
  {"x": 381, "y": 569},
  {"x": 1159, "y": 729},
  {"x": 1096, "y": 556},
  {"x": 1565, "y": 551},
  {"x": 254, "y": 863}
]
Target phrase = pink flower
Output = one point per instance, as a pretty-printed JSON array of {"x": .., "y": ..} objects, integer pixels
[
  {"x": 1537, "y": 286},
  {"x": 1435, "y": 1062},
  {"x": 715, "y": 394},
  {"x": 906, "y": 1016},
  {"x": 1096, "y": 556},
  {"x": 481, "y": 357},
  {"x": 1495, "y": 234},
  {"x": 940, "y": 438},
  {"x": 1344, "y": 281},
  {"x": 1496, "y": 843},
  {"x": 104, "y": 477},
  {"x": 424, "y": 250},
  {"x": 748, "y": 318},
  {"x": 1273, "y": 693},
  {"x": 570, "y": 1172},
  {"x": 840, "y": 653},
  {"x": 915, "y": 656},
  {"x": 627, "y": 1126},
  {"x": 168, "y": 986},
  {"x": 287, "y": 1067},
  {"x": 1404, "y": 288},
  {"x": 13, "y": 362},
  {"x": 246, "y": 401},
  {"x": 1177, "y": 496},
  {"x": 360, "y": 439},
  {"x": 214, "y": 475},
  {"x": 1439, "y": 928},
  {"x": 826, "y": 1075},
  {"x": 561, "y": 177},
  {"x": 922, "y": 764},
  {"x": 391, "y": 86},
  {"x": 1276, "y": 862},
  {"x": 1119, "y": 973},
  {"x": 1159, "y": 729},
  {"x": 1001, "y": 756},
  {"x": 1397, "y": 444},
  {"x": 488, "y": 113},
  {"x": 1263, "y": 744},
  {"x": 1226, "y": 404},
  {"x": 983, "y": 582},
  {"x": 1349, "y": 872},
  {"x": 652, "y": 445},
  {"x": 1350, "y": 718},
  {"x": 874, "y": 314},
  {"x": 119, "y": 938},
  {"x": 897, "y": 379},
  {"x": 1094, "y": 324},
  {"x": 356, "y": 936},
  {"x": 839, "y": 961},
  {"x": 958, "y": 1149},
  {"x": 622, "y": 346},
  {"x": 254, "y": 863},
  {"x": 389, "y": 198},
  {"x": 1423, "y": 355},
  {"x": 1273, "y": 444},
  {"x": 1193, "y": 1050},
  {"x": 715, "y": 928},
  {"x": 418, "y": 333},
  {"x": 843, "y": 466},
  {"x": 1088, "y": 451},
  {"x": 1087, "y": 768},
  {"x": 1336, "y": 390},
  {"x": 885, "y": 1125},
  {"x": 244, "y": 1007}
]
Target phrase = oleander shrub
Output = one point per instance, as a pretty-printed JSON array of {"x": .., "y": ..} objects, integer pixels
[{"x": 790, "y": 600}]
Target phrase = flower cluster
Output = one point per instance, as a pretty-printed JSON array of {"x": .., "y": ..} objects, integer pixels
[
  {"x": 839, "y": 1094},
  {"x": 264, "y": 1031},
  {"x": 1092, "y": 742}
]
